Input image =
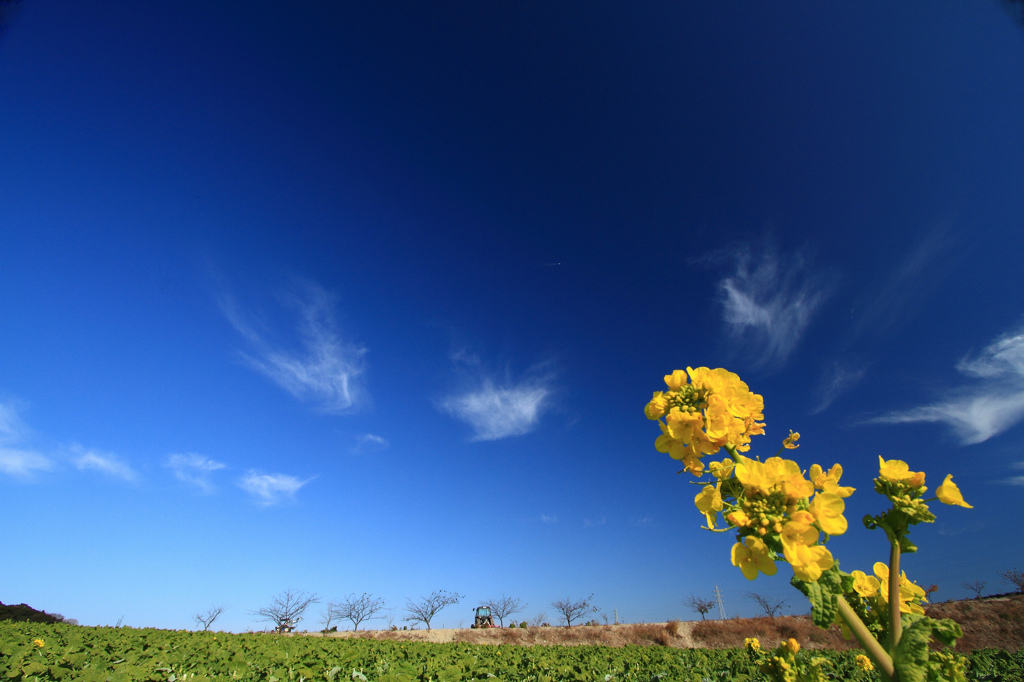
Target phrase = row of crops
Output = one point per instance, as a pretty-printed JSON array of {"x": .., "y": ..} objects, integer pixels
[{"x": 32, "y": 651}]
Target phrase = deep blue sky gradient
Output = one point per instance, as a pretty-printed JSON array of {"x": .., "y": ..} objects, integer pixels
[{"x": 421, "y": 265}]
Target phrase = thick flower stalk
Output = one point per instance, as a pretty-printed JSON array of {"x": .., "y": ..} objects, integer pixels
[{"x": 782, "y": 513}]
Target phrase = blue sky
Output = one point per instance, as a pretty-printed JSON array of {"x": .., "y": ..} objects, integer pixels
[{"x": 370, "y": 299}]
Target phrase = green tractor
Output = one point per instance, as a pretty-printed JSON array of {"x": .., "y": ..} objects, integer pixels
[{"x": 483, "y": 618}]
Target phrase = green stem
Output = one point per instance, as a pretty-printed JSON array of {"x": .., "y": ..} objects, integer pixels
[
  {"x": 874, "y": 650},
  {"x": 895, "y": 622}
]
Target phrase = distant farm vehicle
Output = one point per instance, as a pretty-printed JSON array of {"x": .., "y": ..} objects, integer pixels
[{"x": 483, "y": 618}]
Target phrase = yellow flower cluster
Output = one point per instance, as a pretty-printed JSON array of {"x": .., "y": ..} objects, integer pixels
[
  {"x": 906, "y": 488},
  {"x": 874, "y": 591},
  {"x": 864, "y": 663},
  {"x": 704, "y": 410},
  {"x": 39, "y": 643},
  {"x": 779, "y": 509}
]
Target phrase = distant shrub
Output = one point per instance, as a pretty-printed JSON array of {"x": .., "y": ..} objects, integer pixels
[{"x": 23, "y": 613}]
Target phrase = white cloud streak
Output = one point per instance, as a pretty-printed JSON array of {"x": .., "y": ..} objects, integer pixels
[
  {"x": 496, "y": 412},
  {"x": 979, "y": 412},
  {"x": 105, "y": 463},
  {"x": 326, "y": 371},
  {"x": 369, "y": 442},
  {"x": 14, "y": 460},
  {"x": 769, "y": 305},
  {"x": 194, "y": 470},
  {"x": 22, "y": 463},
  {"x": 270, "y": 489},
  {"x": 837, "y": 380}
]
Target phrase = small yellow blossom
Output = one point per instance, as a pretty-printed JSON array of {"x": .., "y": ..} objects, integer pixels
[
  {"x": 709, "y": 503},
  {"x": 799, "y": 544},
  {"x": 722, "y": 470},
  {"x": 738, "y": 518},
  {"x": 656, "y": 408},
  {"x": 675, "y": 380},
  {"x": 894, "y": 470},
  {"x": 865, "y": 585},
  {"x": 791, "y": 645},
  {"x": 752, "y": 557},
  {"x": 829, "y": 482},
  {"x": 790, "y": 442},
  {"x": 912, "y": 595},
  {"x": 864, "y": 663},
  {"x": 948, "y": 493},
  {"x": 752, "y": 644},
  {"x": 827, "y": 509},
  {"x": 39, "y": 643}
]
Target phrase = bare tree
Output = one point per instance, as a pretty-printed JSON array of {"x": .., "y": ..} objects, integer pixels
[
  {"x": 1015, "y": 576},
  {"x": 574, "y": 610},
  {"x": 357, "y": 609},
  {"x": 287, "y": 608},
  {"x": 770, "y": 605},
  {"x": 538, "y": 620},
  {"x": 424, "y": 610},
  {"x": 328, "y": 617},
  {"x": 701, "y": 606},
  {"x": 504, "y": 607},
  {"x": 976, "y": 587},
  {"x": 206, "y": 619}
]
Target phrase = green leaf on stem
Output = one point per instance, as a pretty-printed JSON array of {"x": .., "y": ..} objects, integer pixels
[{"x": 823, "y": 594}]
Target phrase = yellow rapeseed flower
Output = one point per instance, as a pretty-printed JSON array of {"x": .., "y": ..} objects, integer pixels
[
  {"x": 864, "y": 663},
  {"x": 752, "y": 643},
  {"x": 912, "y": 595},
  {"x": 948, "y": 493},
  {"x": 790, "y": 441},
  {"x": 722, "y": 470},
  {"x": 675, "y": 380},
  {"x": 829, "y": 482},
  {"x": 39, "y": 643},
  {"x": 865, "y": 585},
  {"x": 827, "y": 509},
  {"x": 791, "y": 645},
  {"x": 751, "y": 556},
  {"x": 709, "y": 503},
  {"x": 656, "y": 408},
  {"x": 897, "y": 471}
]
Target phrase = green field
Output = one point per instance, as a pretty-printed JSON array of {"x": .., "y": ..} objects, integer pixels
[{"x": 125, "y": 654}]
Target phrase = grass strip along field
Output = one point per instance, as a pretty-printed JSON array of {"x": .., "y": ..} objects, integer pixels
[{"x": 32, "y": 651}]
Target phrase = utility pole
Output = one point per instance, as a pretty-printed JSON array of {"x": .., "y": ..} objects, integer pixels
[
  {"x": 616, "y": 616},
  {"x": 721, "y": 609}
]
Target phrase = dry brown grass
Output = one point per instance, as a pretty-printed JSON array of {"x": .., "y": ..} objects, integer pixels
[
  {"x": 990, "y": 622},
  {"x": 996, "y": 622},
  {"x": 720, "y": 634},
  {"x": 641, "y": 634}
]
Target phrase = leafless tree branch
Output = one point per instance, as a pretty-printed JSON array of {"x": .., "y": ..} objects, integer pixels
[{"x": 574, "y": 610}]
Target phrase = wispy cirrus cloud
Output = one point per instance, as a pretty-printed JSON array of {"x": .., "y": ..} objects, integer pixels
[
  {"x": 270, "y": 489},
  {"x": 194, "y": 469},
  {"x": 104, "y": 462},
  {"x": 369, "y": 442},
  {"x": 14, "y": 460},
  {"x": 326, "y": 370},
  {"x": 548, "y": 518},
  {"x": 22, "y": 463},
  {"x": 836, "y": 380},
  {"x": 993, "y": 404},
  {"x": 1016, "y": 480},
  {"x": 768, "y": 304},
  {"x": 908, "y": 285},
  {"x": 499, "y": 411}
]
